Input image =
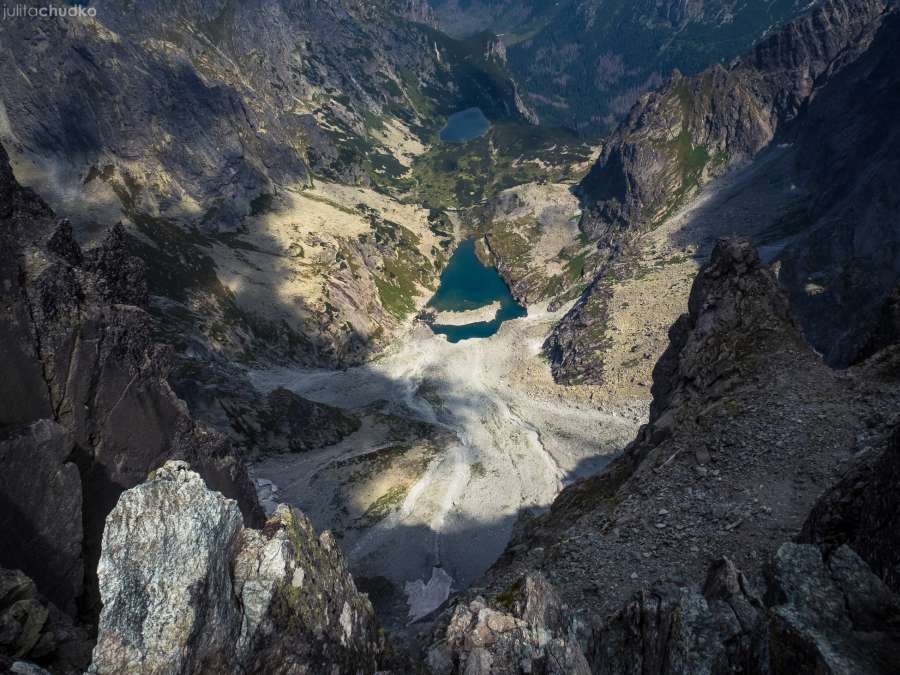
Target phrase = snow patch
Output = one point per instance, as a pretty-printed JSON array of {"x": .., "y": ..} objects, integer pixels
[{"x": 424, "y": 598}]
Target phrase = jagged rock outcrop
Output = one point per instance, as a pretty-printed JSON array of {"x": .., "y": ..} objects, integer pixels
[
  {"x": 736, "y": 312},
  {"x": 830, "y": 616},
  {"x": 818, "y": 615},
  {"x": 671, "y": 629},
  {"x": 530, "y": 632},
  {"x": 33, "y": 631},
  {"x": 862, "y": 511},
  {"x": 187, "y": 588},
  {"x": 737, "y": 318},
  {"x": 85, "y": 386}
]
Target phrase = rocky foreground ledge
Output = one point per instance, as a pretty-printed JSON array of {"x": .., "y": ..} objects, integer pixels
[{"x": 186, "y": 588}]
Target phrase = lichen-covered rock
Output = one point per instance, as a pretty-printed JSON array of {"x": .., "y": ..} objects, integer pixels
[
  {"x": 531, "y": 633},
  {"x": 187, "y": 589},
  {"x": 165, "y": 578},
  {"x": 830, "y": 616}
]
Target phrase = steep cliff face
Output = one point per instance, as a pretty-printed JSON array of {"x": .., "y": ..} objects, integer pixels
[
  {"x": 863, "y": 510},
  {"x": 187, "y": 588},
  {"x": 85, "y": 406},
  {"x": 842, "y": 271}
]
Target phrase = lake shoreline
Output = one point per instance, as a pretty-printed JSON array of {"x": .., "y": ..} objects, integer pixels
[{"x": 464, "y": 126}]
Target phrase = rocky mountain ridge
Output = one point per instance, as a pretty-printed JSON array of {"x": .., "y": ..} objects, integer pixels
[
  {"x": 691, "y": 130},
  {"x": 694, "y": 130}
]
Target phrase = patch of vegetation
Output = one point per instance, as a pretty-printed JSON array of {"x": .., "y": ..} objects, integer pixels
[
  {"x": 382, "y": 507},
  {"x": 404, "y": 270},
  {"x": 575, "y": 267},
  {"x": 457, "y": 175},
  {"x": 507, "y": 598},
  {"x": 689, "y": 161},
  {"x": 324, "y": 200},
  {"x": 676, "y": 260}
]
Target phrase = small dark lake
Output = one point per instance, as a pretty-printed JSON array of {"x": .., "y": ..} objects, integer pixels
[
  {"x": 467, "y": 284},
  {"x": 465, "y": 125}
]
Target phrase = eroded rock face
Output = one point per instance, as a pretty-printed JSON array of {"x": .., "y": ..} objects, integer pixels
[
  {"x": 531, "y": 633},
  {"x": 842, "y": 271},
  {"x": 187, "y": 589}
]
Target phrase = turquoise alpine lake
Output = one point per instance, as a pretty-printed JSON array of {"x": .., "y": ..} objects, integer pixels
[
  {"x": 465, "y": 125},
  {"x": 467, "y": 284}
]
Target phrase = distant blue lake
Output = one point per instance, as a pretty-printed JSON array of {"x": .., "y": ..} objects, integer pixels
[
  {"x": 465, "y": 125},
  {"x": 467, "y": 284}
]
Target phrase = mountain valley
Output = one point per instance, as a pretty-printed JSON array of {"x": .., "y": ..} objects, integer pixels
[{"x": 450, "y": 336}]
